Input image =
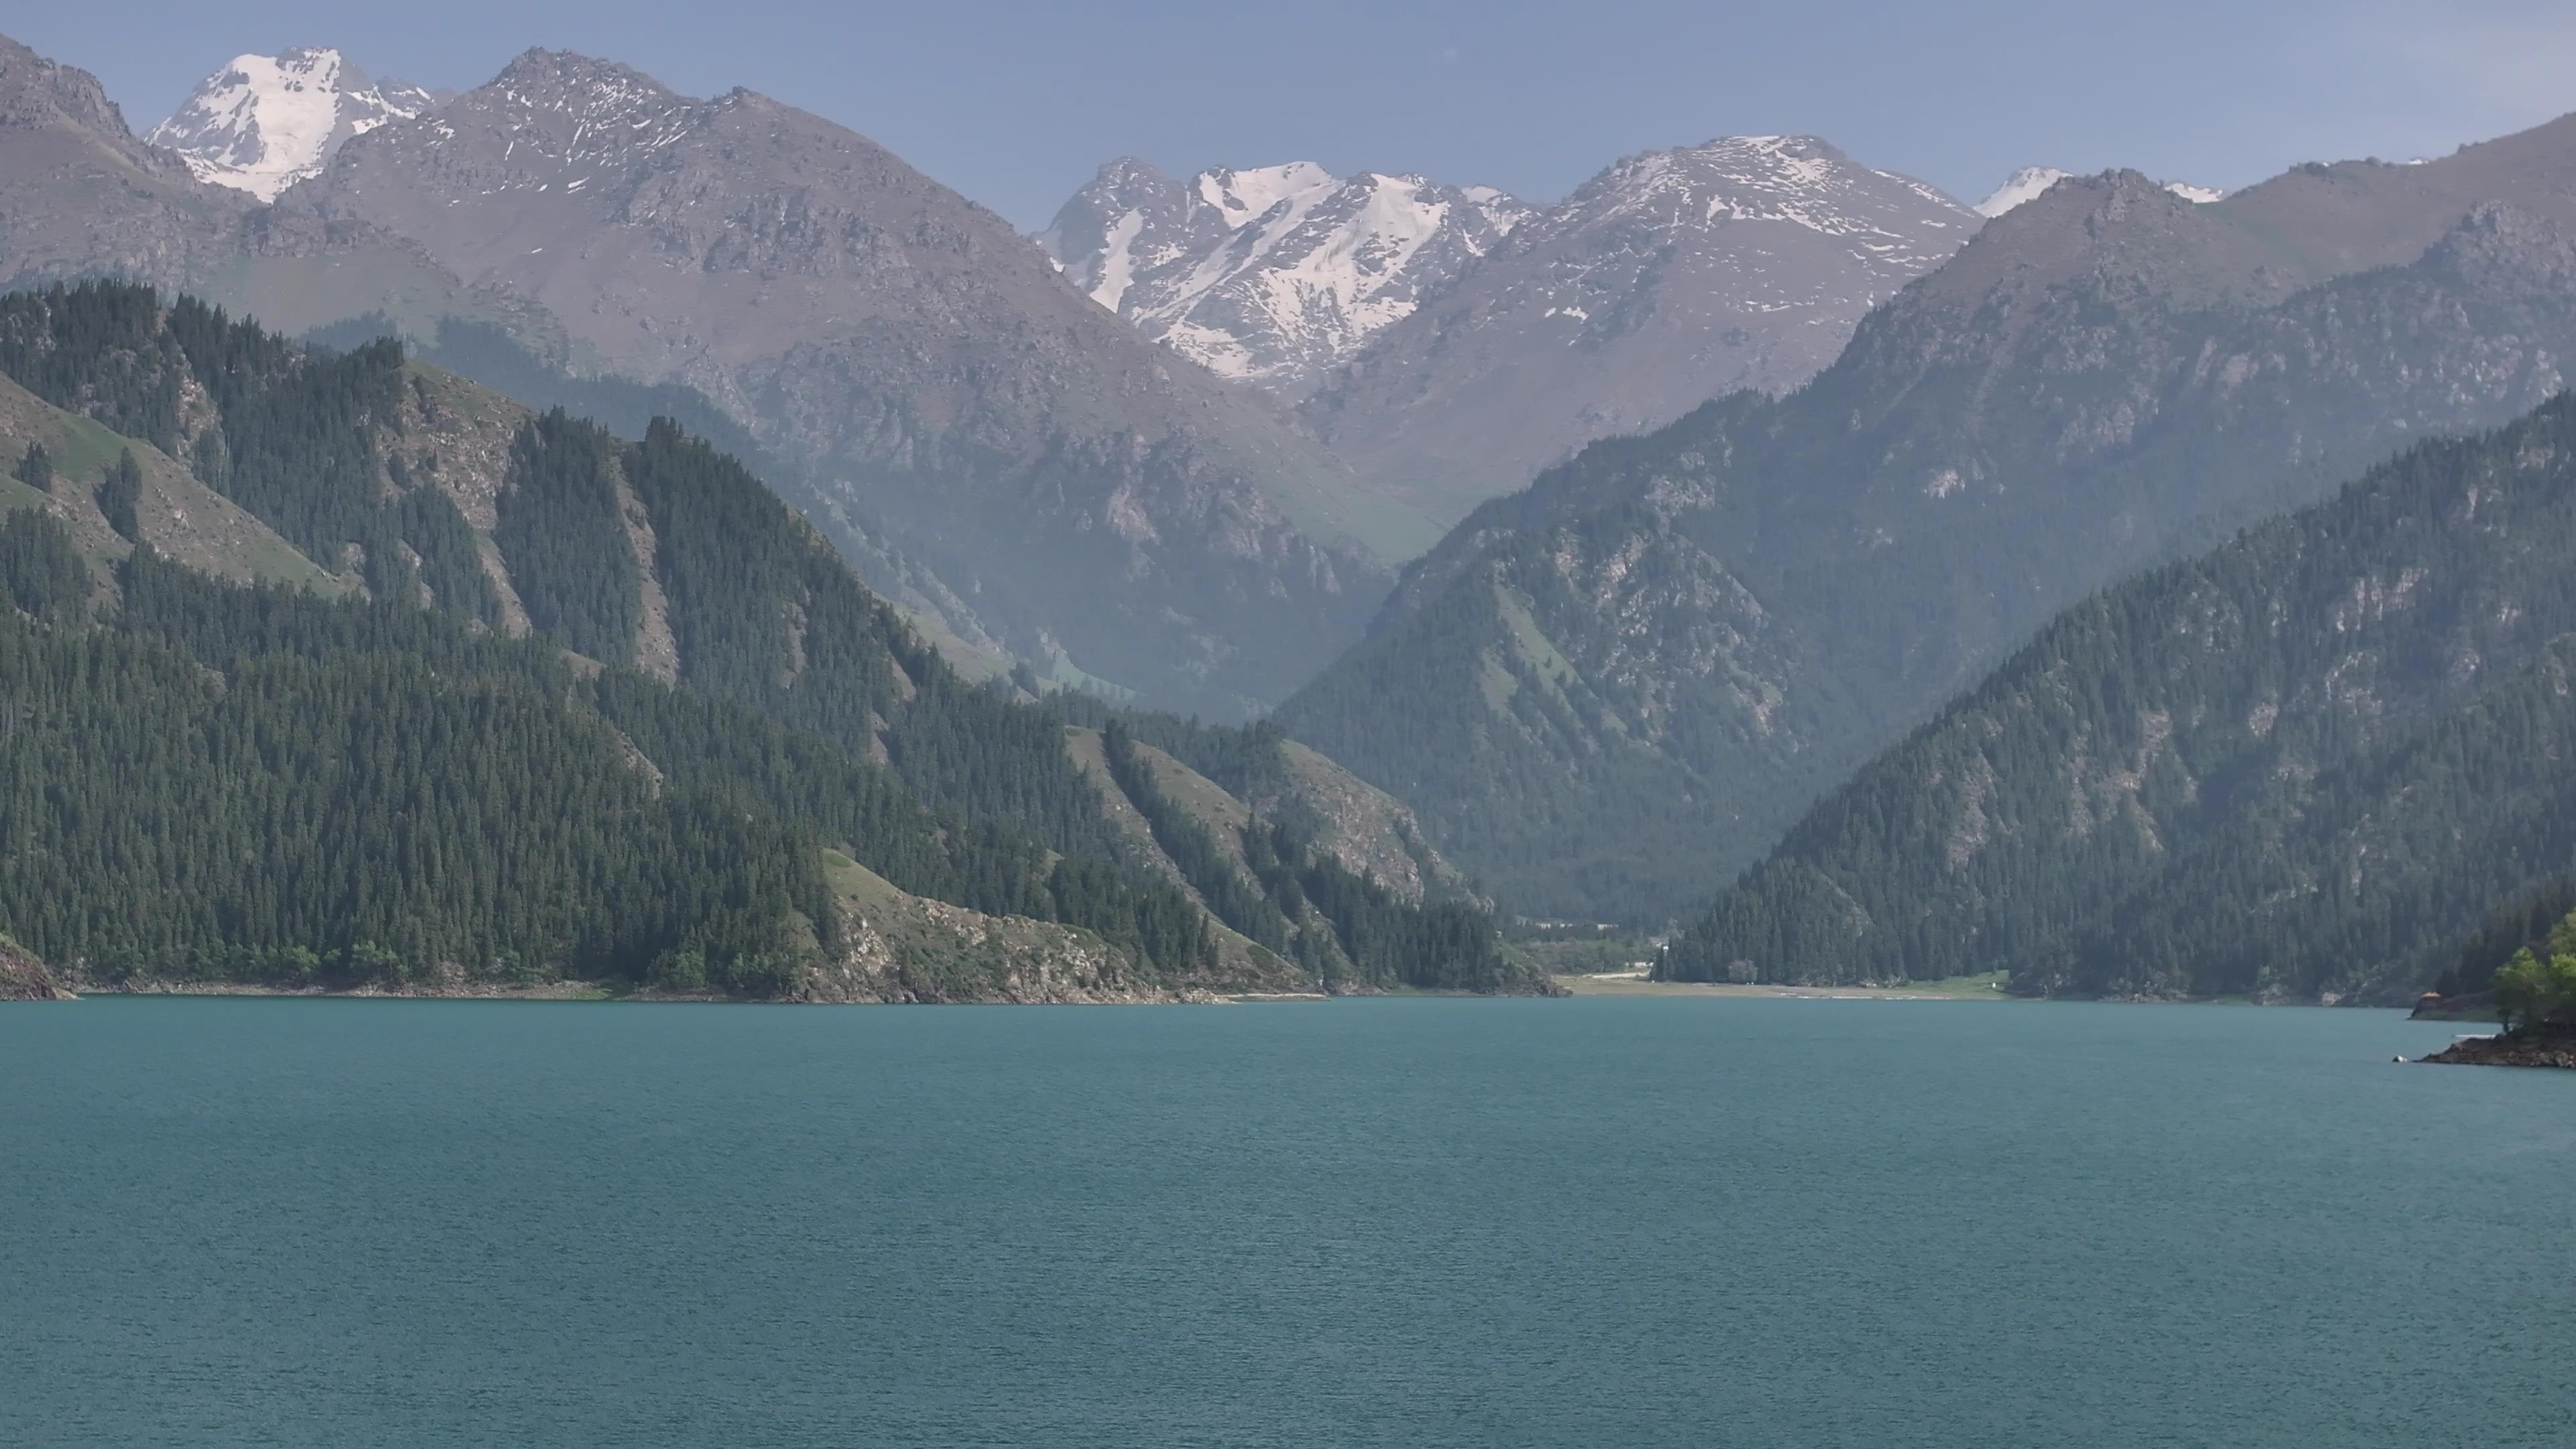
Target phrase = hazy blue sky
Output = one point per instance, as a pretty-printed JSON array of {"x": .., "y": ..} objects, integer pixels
[{"x": 1016, "y": 103}]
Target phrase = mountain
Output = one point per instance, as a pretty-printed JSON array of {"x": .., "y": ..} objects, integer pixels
[
  {"x": 2301, "y": 766},
  {"x": 1271, "y": 275},
  {"x": 1611, "y": 692},
  {"x": 2021, "y": 186},
  {"x": 1106, "y": 508},
  {"x": 1668, "y": 279},
  {"x": 2027, "y": 183},
  {"x": 86, "y": 197},
  {"x": 644, "y": 617},
  {"x": 265, "y": 122}
]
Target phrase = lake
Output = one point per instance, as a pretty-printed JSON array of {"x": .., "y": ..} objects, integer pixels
[{"x": 1392, "y": 1222}]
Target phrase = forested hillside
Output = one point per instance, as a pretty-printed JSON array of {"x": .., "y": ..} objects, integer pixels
[
  {"x": 2300, "y": 766},
  {"x": 651, "y": 620}
]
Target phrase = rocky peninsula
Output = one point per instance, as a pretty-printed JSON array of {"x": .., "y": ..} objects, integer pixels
[{"x": 2538, "y": 1046}]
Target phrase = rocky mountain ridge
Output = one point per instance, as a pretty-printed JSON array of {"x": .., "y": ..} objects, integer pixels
[{"x": 1669, "y": 279}]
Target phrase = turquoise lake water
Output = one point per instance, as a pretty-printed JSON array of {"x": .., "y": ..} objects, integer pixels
[{"x": 1405, "y": 1222}]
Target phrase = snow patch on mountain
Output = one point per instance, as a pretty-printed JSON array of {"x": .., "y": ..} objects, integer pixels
[
  {"x": 1270, "y": 274},
  {"x": 2027, "y": 183},
  {"x": 265, "y": 122}
]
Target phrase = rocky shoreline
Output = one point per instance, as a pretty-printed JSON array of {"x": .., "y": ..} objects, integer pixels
[
  {"x": 24, "y": 978},
  {"x": 2554, "y": 1047}
]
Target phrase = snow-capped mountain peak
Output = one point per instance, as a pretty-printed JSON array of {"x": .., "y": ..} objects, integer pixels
[
  {"x": 1269, "y": 273},
  {"x": 2027, "y": 183},
  {"x": 265, "y": 122},
  {"x": 1243, "y": 196},
  {"x": 2024, "y": 185}
]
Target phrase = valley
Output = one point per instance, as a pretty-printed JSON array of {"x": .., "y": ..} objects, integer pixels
[
  {"x": 1872, "y": 691},
  {"x": 1272, "y": 577}
]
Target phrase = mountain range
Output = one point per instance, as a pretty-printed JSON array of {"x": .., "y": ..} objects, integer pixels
[
  {"x": 1031, "y": 478},
  {"x": 1449, "y": 342},
  {"x": 1624, "y": 682}
]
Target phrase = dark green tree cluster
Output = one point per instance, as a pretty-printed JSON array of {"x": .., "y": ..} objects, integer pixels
[
  {"x": 767, "y": 615},
  {"x": 98, "y": 348},
  {"x": 1236, "y": 898},
  {"x": 119, "y": 494},
  {"x": 1284, "y": 894},
  {"x": 864, "y": 811},
  {"x": 2537, "y": 989},
  {"x": 1378, "y": 938},
  {"x": 364, "y": 818},
  {"x": 563, "y": 531},
  {"x": 2524, "y": 959},
  {"x": 35, "y": 468},
  {"x": 708, "y": 747},
  {"x": 43, "y": 572},
  {"x": 2509, "y": 929},
  {"x": 450, "y": 561},
  {"x": 2297, "y": 766},
  {"x": 1248, "y": 760},
  {"x": 1445, "y": 947},
  {"x": 298, "y": 446}
]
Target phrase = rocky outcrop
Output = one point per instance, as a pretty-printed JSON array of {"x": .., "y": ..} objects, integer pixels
[
  {"x": 2543, "y": 1047},
  {"x": 896, "y": 947},
  {"x": 2460, "y": 1006},
  {"x": 24, "y": 978}
]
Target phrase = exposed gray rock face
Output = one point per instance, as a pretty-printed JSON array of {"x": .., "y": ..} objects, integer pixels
[
  {"x": 1276, "y": 274},
  {"x": 265, "y": 122},
  {"x": 1099, "y": 502},
  {"x": 1669, "y": 279},
  {"x": 24, "y": 978},
  {"x": 79, "y": 195}
]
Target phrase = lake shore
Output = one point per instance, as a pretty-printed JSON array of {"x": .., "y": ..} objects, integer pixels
[{"x": 1624, "y": 984}]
